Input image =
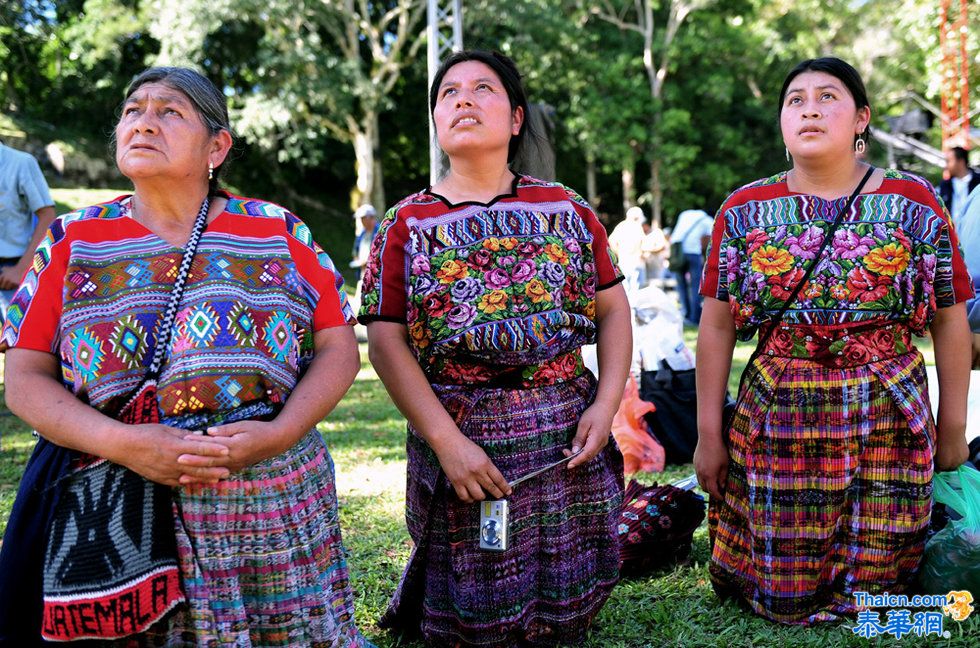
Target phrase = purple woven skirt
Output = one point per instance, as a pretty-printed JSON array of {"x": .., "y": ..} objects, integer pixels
[{"x": 563, "y": 558}]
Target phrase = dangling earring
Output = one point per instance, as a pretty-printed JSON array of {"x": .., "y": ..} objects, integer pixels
[
  {"x": 787, "y": 154},
  {"x": 859, "y": 145},
  {"x": 210, "y": 171}
]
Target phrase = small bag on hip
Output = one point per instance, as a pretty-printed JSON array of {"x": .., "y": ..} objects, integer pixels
[{"x": 110, "y": 563}]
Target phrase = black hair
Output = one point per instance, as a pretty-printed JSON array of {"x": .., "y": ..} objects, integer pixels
[
  {"x": 961, "y": 153},
  {"x": 203, "y": 94},
  {"x": 840, "y": 70},
  {"x": 510, "y": 78}
]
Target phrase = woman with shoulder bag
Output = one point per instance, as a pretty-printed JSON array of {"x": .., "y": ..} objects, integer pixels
[
  {"x": 821, "y": 485},
  {"x": 178, "y": 346}
]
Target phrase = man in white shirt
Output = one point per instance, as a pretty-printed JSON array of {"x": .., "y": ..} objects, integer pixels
[
  {"x": 962, "y": 180},
  {"x": 693, "y": 231},
  {"x": 24, "y": 195}
]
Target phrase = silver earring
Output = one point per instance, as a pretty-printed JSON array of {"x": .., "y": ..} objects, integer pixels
[
  {"x": 210, "y": 171},
  {"x": 860, "y": 146},
  {"x": 787, "y": 154}
]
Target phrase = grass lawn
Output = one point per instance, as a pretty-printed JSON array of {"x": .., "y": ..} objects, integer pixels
[{"x": 366, "y": 437}]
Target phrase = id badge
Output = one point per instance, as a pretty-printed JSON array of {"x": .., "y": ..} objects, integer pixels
[{"x": 493, "y": 525}]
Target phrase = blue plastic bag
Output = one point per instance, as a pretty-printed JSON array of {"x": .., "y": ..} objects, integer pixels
[{"x": 952, "y": 556}]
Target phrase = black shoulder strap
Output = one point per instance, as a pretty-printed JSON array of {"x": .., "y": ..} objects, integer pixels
[{"x": 774, "y": 322}]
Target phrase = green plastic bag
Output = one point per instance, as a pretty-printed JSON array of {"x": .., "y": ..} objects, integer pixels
[{"x": 952, "y": 556}]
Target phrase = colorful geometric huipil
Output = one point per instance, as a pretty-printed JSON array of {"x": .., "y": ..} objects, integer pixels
[{"x": 259, "y": 288}]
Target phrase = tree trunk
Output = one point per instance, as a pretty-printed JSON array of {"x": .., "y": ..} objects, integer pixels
[
  {"x": 368, "y": 188},
  {"x": 591, "y": 193},
  {"x": 656, "y": 191},
  {"x": 629, "y": 187},
  {"x": 364, "y": 165}
]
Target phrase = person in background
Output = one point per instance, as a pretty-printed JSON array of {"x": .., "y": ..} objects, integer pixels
[
  {"x": 480, "y": 293},
  {"x": 23, "y": 195},
  {"x": 692, "y": 230},
  {"x": 655, "y": 250},
  {"x": 821, "y": 486},
  {"x": 962, "y": 180},
  {"x": 969, "y": 232},
  {"x": 367, "y": 227},
  {"x": 626, "y": 241}
]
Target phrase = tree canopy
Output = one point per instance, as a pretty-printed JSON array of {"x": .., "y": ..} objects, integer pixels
[{"x": 667, "y": 102}]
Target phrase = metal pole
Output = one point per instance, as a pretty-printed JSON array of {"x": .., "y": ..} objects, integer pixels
[{"x": 445, "y": 35}]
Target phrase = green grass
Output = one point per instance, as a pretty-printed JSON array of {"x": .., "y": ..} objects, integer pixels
[{"x": 366, "y": 435}]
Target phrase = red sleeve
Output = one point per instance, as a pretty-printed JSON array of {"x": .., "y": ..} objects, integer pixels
[
  {"x": 331, "y": 307},
  {"x": 324, "y": 286},
  {"x": 35, "y": 310},
  {"x": 953, "y": 283},
  {"x": 384, "y": 286},
  {"x": 711, "y": 278},
  {"x": 607, "y": 271}
]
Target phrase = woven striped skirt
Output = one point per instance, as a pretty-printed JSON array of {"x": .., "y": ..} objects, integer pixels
[
  {"x": 261, "y": 557},
  {"x": 829, "y": 487},
  {"x": 563, "y": 558}
]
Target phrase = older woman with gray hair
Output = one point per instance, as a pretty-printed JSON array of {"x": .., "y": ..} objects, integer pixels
[{"x": 227, "y": 326}]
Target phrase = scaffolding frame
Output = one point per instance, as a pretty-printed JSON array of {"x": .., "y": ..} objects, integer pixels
[
  {"x": 955, "y": 87},
  {"x": 445, "y": 35}
]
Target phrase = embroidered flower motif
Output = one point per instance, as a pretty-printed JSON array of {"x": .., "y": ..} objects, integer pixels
[
  {"x": 420, "y": 264},
  {"x": 783, "y": 285},
  {"x": 553, "y": 273},
  {"x": 866, "y": 286},
  {"x": 496, "y": 279},
  {"x": 452, "y": 270},
  {"x": 806, "y": 245},
  {"x": 466, "y": 289},
  {"x": 529, "y": 248},
  {"x": 889, "y": 259},
  {"x": 461, "y": 316},
  {"x": 481, "y": 259},
  {"x": 493, "y": 301},
  {"x": 770, "y": 260},
  {"x": 522, "y": 271},
  {"x": 556, "y": 253},
  {"x": 423, "y": 285},
  {"x": 839, "y": 292},
  {"x": 812, "y": 290},
  {"x": 437, "y": 304},
  {"x": 418, "y": 334},
  {"x": 848, "y": 245},
  {"x": 492, "y": 244},
  {"x": 755, "y": 239},
  {"x": 537, "y": 291}
]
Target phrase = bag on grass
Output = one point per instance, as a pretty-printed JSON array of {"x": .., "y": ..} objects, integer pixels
[
  {"x": 675, "y": 422},
  {"x": 952, "y": 556},
  {"x": 656, "y": 526}
]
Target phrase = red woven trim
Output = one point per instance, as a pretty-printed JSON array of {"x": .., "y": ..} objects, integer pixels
[{"x": 124, "y": 611}]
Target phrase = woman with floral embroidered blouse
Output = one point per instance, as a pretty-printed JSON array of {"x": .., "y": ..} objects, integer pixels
[
  {"x": 822, "y": 487},
  {"x": 479, "y": 293}
]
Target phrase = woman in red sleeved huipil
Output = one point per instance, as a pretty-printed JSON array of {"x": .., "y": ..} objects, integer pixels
[
  {"x": 822, "y": 487},
  {"x": 478, "y": 296}
]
